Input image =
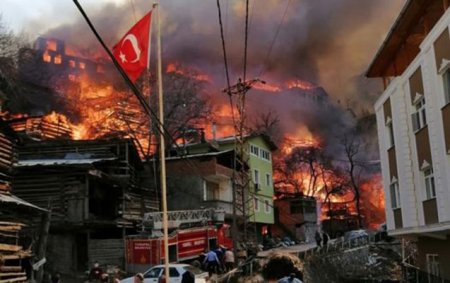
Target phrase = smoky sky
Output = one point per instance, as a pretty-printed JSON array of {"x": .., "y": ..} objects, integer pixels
[{"x": 327, "y": 42}]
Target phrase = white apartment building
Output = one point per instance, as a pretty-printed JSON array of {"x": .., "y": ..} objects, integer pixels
[{"x": 413, "y": 120}]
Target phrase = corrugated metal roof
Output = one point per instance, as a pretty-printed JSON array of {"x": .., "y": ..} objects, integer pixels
[
  {"x": 11, "y": 199},
  {"x": 63, "y": 161}
]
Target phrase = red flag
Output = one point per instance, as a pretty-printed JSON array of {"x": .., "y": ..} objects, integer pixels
[{"x": 132, "y": 50}]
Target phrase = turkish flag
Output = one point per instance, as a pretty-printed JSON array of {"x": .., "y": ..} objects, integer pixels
[{"x": 132, "y": 50}]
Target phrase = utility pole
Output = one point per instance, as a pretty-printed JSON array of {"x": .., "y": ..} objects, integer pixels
[{"x": 242, "y": 191}]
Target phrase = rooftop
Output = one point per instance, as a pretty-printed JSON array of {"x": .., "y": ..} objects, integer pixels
[{"x": 402, "y": 43}]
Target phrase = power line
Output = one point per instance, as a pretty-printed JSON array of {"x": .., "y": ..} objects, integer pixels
[
  {"x": 223, "y": 44},
  {"x": 134, "y": 10},
  {"x": 246, "y": 39},
  {"x": 274, "y": 39}
]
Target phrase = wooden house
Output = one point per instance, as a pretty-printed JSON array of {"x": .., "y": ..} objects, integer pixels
[
  {"x": 16, "y": 247},
  {"x": 95, "y": 194}
]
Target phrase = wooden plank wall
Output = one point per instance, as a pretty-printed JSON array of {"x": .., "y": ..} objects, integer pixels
[
  {"x": 10, "y": 252},
  {"x": 63, "y": 189},
  {"x": 6, "y": 161},
  {"x": 107, "y": 251}
]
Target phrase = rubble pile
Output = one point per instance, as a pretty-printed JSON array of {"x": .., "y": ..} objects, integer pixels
[{"x": 381, "y": 261}]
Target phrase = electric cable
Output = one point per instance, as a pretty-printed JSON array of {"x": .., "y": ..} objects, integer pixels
[
  {"x": 245, "y": 40},
  {"x": 274, "y": 39}
]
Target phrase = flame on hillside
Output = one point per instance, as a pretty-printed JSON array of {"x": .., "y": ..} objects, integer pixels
[
  {"x": 301, "y": 84},
  {"x": 176, "y": 68},
  {"x": 98, "y": 110},
  {"x": 302, "y": 137}
]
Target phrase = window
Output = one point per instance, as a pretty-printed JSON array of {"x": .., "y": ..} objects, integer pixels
[
  {"x": 57, "y": 60},
  {"x": 264, "y": 154},
  {"x": 267, "y": 206},
  {"x": 419, "y": 118},
  {"x": 433, "y": 264},
  {"x": 256, "y": 203},
  {"x": 395, "y": 195},
  {"x": 296, "y": 207},
  {"x": 446, "y": 78},
  {"x": 268, "y": 180},
  {"x": 211, "y": 191},
  {"x": 430, "y": 189},
  {"x": 256, "y": 177},
  {"x": 254, "y": 150},
  {"x": 153, "y": 273},
  {"x": 390, "y": 134},
  {"x": 173, "y": 272}
]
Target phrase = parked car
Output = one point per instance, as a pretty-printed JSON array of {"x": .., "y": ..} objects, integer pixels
[
  {"x": 354, "y": 234},
  {"x": 176, "y": 272}
]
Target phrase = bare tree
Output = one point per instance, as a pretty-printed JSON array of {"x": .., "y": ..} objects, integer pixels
[
  {"x": 267, "y": 123},
  {"x": 354, "y": 170},
  {"x": 186, "y": 105},
  {"x": 300, "y": 170}
]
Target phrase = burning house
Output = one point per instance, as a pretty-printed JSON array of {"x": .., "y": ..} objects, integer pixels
[
  {"x": 96, "y": 194},
  {"x": 51, "y": 63}
]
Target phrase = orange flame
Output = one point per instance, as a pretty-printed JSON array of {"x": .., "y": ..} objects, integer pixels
[
  {"x": 176, "y": 68},
  {"x": 267, "y": 87},
  {"x": 301, "y": 84}
]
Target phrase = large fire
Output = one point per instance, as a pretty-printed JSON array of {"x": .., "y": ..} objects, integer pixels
[{"x": 97, "y": 110}]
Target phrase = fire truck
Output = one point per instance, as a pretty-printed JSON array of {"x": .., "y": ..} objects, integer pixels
[{"x": 191, "y": 232}]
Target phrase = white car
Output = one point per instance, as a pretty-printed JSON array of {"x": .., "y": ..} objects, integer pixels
[{"x": 176, "y": 272}]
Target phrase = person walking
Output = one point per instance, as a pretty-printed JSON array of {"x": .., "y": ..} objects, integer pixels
[
  {"x": 229, "y": 260},
  {"x": 318, "y": 238},
  {"x": 211, "y": 261},
  {"x": 325, "y": 238}
]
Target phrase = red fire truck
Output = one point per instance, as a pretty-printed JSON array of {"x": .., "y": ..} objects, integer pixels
[{"x": 192, "y": 232}]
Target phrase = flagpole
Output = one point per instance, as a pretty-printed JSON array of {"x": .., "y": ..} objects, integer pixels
[{"x": 162, "y": 155}]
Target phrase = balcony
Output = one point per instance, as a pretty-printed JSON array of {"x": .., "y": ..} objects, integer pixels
[{"x": 220, "y": 204}]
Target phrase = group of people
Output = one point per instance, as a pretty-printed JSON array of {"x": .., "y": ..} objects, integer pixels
[
  {"x": 321, "y": 238},
  {"x": 218, "y": 260},
  {"x": 96, "y": 274}
]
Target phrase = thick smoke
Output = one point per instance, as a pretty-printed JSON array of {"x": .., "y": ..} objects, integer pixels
[{"x": 327, "y": 42}]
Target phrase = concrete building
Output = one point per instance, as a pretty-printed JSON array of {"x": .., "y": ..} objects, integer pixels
[
  {"x": 201, "y": 180},
  {"x": 258, "y": 157},
  {"x": 296, "y": 217},
  {"x": 259, "y": 150},
  {"x": 413, "y": 118}
]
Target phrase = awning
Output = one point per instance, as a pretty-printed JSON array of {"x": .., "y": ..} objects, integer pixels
[
  {"x": 63, "y": 161},
  {"x": 11, "y": 199}
]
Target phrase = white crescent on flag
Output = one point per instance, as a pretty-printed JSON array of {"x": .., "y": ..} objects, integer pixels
[
  {"x": 134, "y": 43},
  {"x": 132, "y": 51}
]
